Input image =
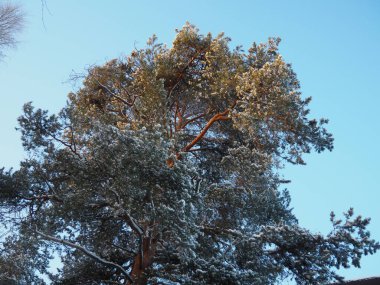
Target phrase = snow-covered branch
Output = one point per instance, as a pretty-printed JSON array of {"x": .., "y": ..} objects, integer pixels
[{"x": 86, "y": 252}]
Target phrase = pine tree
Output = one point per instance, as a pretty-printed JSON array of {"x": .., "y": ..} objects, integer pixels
[{"x": 163, "y": 169}]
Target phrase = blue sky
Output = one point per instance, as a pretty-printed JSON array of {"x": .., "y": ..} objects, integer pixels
[{"x": 334, "y": 47}]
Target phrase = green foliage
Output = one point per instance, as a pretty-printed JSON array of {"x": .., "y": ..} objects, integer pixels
[{"x": 162, "y": 169}]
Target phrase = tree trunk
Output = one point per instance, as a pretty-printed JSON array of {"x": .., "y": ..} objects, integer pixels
[{"x": 143, "y": 260}]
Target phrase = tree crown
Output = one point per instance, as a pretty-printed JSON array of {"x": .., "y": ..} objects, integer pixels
[{"x": 162, "y": 168}]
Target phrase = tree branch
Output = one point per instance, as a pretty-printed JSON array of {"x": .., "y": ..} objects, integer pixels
[
  {"x": 190, "y": 120},
  {"x": 43, "y": 198},
  {"x": 68, "y": 145},
  {"x": 132, "y": 223},
  {"x": 86, "y": 252},
  {"x": 182, "y": 72},
  {"x": 130, "y": 104},
  {"x": 218, "y": 117}
]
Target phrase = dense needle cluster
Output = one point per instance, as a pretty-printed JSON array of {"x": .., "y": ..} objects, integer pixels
[{"x": 163, "y": 169}]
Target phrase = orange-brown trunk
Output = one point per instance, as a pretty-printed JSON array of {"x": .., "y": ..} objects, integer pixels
[{"x": 142, "y": 261}]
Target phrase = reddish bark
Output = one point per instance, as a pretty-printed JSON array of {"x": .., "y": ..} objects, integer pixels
[
  {"x": 218, "y": 117},
  {"x": 143, "y": 261}
]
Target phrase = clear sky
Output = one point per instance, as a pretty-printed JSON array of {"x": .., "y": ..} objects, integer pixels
[{"x": 334, "y": 47}]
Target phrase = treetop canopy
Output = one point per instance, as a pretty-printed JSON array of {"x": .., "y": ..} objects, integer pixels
[{"x": 163, "y": 169}]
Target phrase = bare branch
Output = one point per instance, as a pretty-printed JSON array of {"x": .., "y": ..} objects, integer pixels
[
  {"x": 86, "y": 252},
  {"x": 11, "y": 23}
]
